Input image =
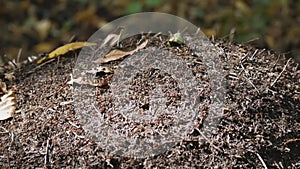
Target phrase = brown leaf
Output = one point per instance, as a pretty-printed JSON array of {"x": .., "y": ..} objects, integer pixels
[
  {"x": 11, "y": 78},
  {"x": 8, "y": 105},
  {"x": 3, "y": 89},
  {"x": 118, "y": 54}
]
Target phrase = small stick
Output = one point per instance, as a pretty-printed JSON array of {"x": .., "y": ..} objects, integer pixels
[
  {"x": 244, "y": 57},
  {"x": 208, "y": 140},
  {"x": 252, "y": 84},
  {"x": 244, "y": 69},
  {"x": 5, "y": 130},
  {"x": 251, "y": 40},
  {"x": 96, "y": 109},
  {"x": 40, "y": 65},
  {"x": 291, "y": 140},
  {"x": 19, "y": 55},
  {"x": 255, "y": 52},
  {"x": 276, "y": 61},
  {"x": 73, "y": 124},
  {"x": 262, "y": 161},
  {"x": 47, "y": 152},
  {"x": 58, "y": 90},
  {"x": 248, "y": 78},
  {"x": 281, "y": 72}
]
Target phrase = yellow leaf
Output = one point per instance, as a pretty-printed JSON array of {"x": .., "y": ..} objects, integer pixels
[
  {"x": 68, "y": 47},
  {"x": 65, "y": 49}
]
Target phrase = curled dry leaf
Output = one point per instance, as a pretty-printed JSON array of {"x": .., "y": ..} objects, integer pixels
[
  {"x": 119, "y": 54},
  {"x": 8, "y": 104}
]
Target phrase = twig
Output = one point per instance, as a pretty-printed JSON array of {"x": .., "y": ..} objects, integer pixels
[
  {"x": 244, "y": 69},
  {"x": 40, "y": 65},
  {"x": 281, "y": 72},
  {"x": 5, "y": 130},
  {"x": 248, "y": 78},
  {"x": 275, "y": 61},
  {"x": 47, "y": 152},
  {"x": 108, "y": 163},
  {"x": 255, "y": 52},
  {"x": 208, "y": 140},
  {"x": 291, "y": 140},
  {"x": 19, "y": 55},
  {"x": 251, "y": 40},
  {"x": 96, "y": 109},
  {"x": 73, "y": 124},
  {"x": 11, "y": 142},
  {"x": 262, "y": 161},
  {"x": 252, "y": 84},
  {"x": 58, "y": 90},
  {"x": 244, "y": 57}
]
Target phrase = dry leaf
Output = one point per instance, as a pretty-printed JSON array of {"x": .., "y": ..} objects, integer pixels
[
  {"x": 65, "y": 49},
  {"x": 81, "y": 81},
  {"x": 100, "y": 69},
  {"x": 8, "y": 105},
  {"x": 113, "y": 38},
  {"x": 11, "y": 78},
  {"x": 3, "y": 89},
  {"x": 3, "y": 86},
  {"x": 119, "y": 54}
]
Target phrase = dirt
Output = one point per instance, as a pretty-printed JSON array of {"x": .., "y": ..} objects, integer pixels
[{"x": 259, "y": 127}]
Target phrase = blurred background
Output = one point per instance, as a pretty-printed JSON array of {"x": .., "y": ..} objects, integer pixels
[{"x": 32, "y": 27}]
